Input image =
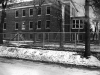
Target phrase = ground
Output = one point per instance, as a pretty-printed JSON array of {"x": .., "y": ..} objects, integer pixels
[
  {"x": 17, "y": 67},
  {"x": 20, "y": 67}
]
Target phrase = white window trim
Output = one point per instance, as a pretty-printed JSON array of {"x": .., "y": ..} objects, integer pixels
[
  {"x": 15, "y": 25},
  {"x": 46, "y": 24},
  {"x": 21, "y": 26},
  {"x": 46, "y": 10},
  {"x": 37, "y": 24},
  {"x": 29, "y": 12},
  {"x": 41, "y": 12},
  {"x": 22, "y": 13},
  {"x": 29, "y": 25},
  {"x": 3, "y": 26},
  {"x": 75, "y": 25},
  {"x": 15, "y": 14}
]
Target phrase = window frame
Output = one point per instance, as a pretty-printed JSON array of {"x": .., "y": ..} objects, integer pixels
[
  {"x": 4, "y": 28},
  {"x": 15, "y": 25},
  {"x": 30, "y": 11},
  {"x": 46, "y": 25},
  {"x": 29, "y": 25},
  {"x": 38, "y": 11},
  {"x": 37, "y": 24},
  {"x": 47, "y": 10},
  {"x": 15, "y": 14},
  {"x": 22, "y": 25},
  {"x": 78, "y": 24},
  {"x": 22, "y": 12}
]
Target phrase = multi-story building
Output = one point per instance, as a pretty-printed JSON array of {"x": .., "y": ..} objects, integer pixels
[{"x": 33, "y": 17}]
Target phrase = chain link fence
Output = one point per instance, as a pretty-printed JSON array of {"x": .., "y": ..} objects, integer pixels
[{"x": 52, "y": 40}]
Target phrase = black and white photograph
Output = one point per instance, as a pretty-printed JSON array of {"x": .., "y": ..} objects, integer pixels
[{"x": 49, "y": 37}]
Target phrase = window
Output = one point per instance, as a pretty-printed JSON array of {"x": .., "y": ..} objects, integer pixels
[
  {"x": 31, "y": 36},
  {"x": 39, "y": 25},
  {"x": 81, "y": 23},
  {"x": 4, "y": 26},
  {"x": 38, "y": 36},
  {"x": 16, "y": 26},
  {"x": 78, "y": 24},
  {"x": 74, "y": 24},
  {"x": 39, "y": 11},
  {"x": 30, "y": 25},
  {"x": 48, "y": 10},
  {"x": 47, "y": 24},
  {"x": 4, "y": 35},
  {"x": 30, "y": 12},
  {"x": 23, "y": 25},
  {"x": 23, "y": 12},
  {"x": 16, "y": 13}
]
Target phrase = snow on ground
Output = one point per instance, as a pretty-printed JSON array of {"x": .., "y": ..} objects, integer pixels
[
  {"x": 19, "y": 67},
  {"x": 93, "y": 47},
  {"x": 48, "y": 55}
]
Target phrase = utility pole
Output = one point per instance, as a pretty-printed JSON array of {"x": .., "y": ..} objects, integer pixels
[{"x": 87, "y": 30}]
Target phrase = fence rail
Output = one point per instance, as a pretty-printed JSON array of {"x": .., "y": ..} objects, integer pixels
[{"x": 71, "y": 40}]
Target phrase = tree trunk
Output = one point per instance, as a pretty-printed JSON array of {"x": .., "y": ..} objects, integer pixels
[
  {"x": 87, "y": 30},
  {"x": 62, "y": 27},
  {"x": 1, "y": 25}
]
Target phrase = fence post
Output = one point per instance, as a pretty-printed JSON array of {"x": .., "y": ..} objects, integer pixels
[
  {"x": 43, "y": 39},
  {"x": 75, "y": 41}
]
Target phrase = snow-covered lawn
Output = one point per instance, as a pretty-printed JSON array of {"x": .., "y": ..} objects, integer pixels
[{"x": 65, "y": 57}]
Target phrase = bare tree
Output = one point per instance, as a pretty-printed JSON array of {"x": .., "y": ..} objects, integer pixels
[
  {"x": 40, "y": 3},
  {"x": 4, "y": 5},
  {"x": 87, "y": 30}
]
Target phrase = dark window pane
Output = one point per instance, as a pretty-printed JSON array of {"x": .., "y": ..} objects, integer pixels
[
  {"x": 39, "y": 24},
  {"x": 77, "y": 21},
  {"x": 74, "y": 26},
  {"x": 24, "y": 13},
  {"x": 31, "y": 11},
  {"x": 39, "y": 11},
  {"x": 73, "y": 21},
  {"x": 81, "y": 25},
  {"x": 31, "y": 24},
  {"x": 47, "y": 24},
  {"x": 77, "y": 25},
  {"x": 4, "y": 27},
  {"x": 48, "y": 10},
  {"x": 16, "y": 25},
  {"x": 16, "y": 13},
  {"x": 81, "y": 22}
]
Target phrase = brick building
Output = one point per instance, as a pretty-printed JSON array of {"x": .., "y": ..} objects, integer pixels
[{"x": 29, "y": 17}]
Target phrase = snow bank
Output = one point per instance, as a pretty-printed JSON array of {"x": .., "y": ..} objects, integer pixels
[{"x": 48, "y": 55}]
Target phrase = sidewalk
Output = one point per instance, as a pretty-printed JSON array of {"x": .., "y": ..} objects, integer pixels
[{"x": 62, "y": 57}]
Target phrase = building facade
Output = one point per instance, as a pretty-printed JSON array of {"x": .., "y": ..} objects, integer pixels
[{"x": 32, "y": 17}]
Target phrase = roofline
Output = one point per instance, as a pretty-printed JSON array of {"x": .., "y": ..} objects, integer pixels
[{"x": 74, "y": 5}]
